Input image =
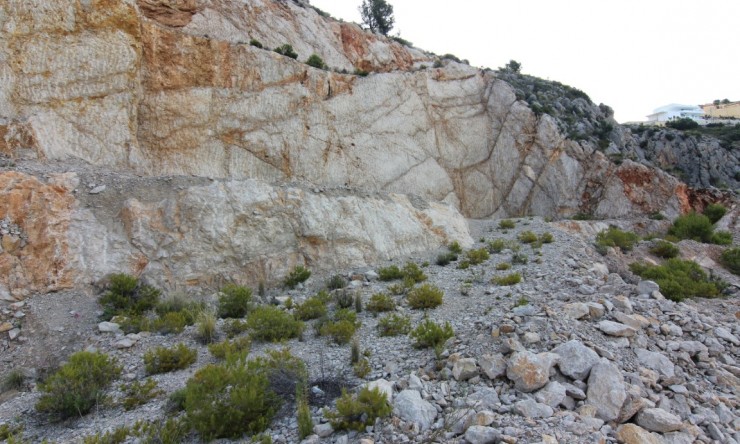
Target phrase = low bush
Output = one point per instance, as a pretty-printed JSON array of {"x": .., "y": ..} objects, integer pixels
[
  {"x": 390, "y": 273},
  {"x": 394, "y": 324},
  {"x": 509, "y": 279},
  {"x": 286, "y": 50},
  {"x": 478, "y": 256},
  {"x": 361, "y": 368},
  {"x": 715, "y": 212},
  {"x": 163, "y": 359},
  {"x": 455, "y": 247},
  {"x": 546, "y": 238},
  {"x": 425, "y": 296},
  {"x": 506, "y": 224},
  {"x": 79, "y": 385},
  {"x": 14, "y": 380},
  {"x": 229, "y": 400},
  {"x": 656, "y": 216},
  {"x": 614, "y": 237},
  {"x": 678, "y": 279},
  {"x": 296, "y": 276},
  {"x": 336, "y": 282},
  {"x": 206, "y": 327},
  {"x": 268, "y": 323},
  {"x": 169, "y": 323},
  {"x": 429, "y": 334},
  {"x": 235, "y": 327},
  {"x": 359, "y": 411},
  {"x": 316, "y": 61},
  {"x": 503, "y": 266},
  {"x": 519, "y": 259},
  {"x": 255, "y": 43},
  {"x": 527, "y": 237},
  {"x": 721, "y": 238},
  {"x": 445, "y": 258},
  {"x": 692, "y": 226},
  {"x": 730, "y": 259},
  {"x": 139, "y": 393},
  {"x": 234, "y": 301},
  {"x": 344, "y": 298},
  {"x": 234, "y": 349},
  {"x": 312, "y": 308},
  {"x": 127, "y": 296},
  {"x": 305, "y": 421},
  {"x": 412, "y": 272},
  {"x": 664, "y": 249},
  {"x": 342, "y": 327},
  {"x": 380, "y": 302},
  {"x": 463, "y": 265}
]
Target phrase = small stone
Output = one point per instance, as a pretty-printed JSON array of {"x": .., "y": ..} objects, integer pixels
[
  {"x": 622, "y": 303},
  {"x": 384, "y": 386},
  {"x": 616, "y": 329},
  {"x": 493, "y": 366},
  {"x": 553, "y": 394},
  {"x": 529, "y": 408},
  {"x": 576, "y": 359},
  {"x": 658, "y": 420},
  {"x": 655, "y": 361},
  {"x": 633, "y": 320},
  {"x": 531, "y": 338},
  {"x": 595, "y": 310},
  {"x": 576, "y": 310},
  {"x": 5, "y": 326},
  {"x": 464, "y": 369},
  {"x": 109, "y": 327},
  {"x": 633, "y": 434},
  {"x": 647, "y": 287},
  {"x": 409, "y": 406},
  {"x": 482, "y": 435},
  {"x": 14, "y": 333},
  {"x": 725, "y": 334},
  {"x": 323, "y": 430},
  {"x": 97, "y": 190},
  {"x": 530, "y": 371},
  {"x": 125, "y": 343},
  {"x": 485, "y": 398}
]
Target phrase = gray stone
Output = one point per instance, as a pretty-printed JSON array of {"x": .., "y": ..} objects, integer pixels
[
  {"x": 634, "y": 434},
  {"x": 14, "y": 333},
  {"x": 530, "y": 408},
  {"x": 484, "y": 399},
  {"x": 553, "y": 394},
  {"x": 97, "y": 190},
  {"x": 612, "y": 328},
  {"x": 323, "y": 430},
  {"x": 622, "y": 303},
  {"x": 409, "y": 406},
  {"x": 655, "y": 361},
  {"x": 576, "y": 359},
  {"x": 531, "y": 338},
  {"x": 647, "y": 287},
  {"x": 658, "y": 420},
  {"x": 693, "y": 348},
  {"x": 493, "y": 365},
  {"x": 576, "y": 310},
  {"x": 595, "y": 310},
  {"x": 464, "y": 369},
  {"x": 109, "y": 327},
  {"x": 528, "y": 371},
  {"x": 125, "y": 343},
  {"x": 606, "y": 390},
  {"x": 481, "y": 435},
  {"x": 633, "y": 320},
  {"x": 384, "y": 386},
  {"x": 725, "y": 334}
]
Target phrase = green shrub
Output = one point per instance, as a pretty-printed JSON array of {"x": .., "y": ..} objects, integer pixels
[
  {"x": 171, "y": 431},
  {"x": 305, "y": 421},
  {"x": 394, "y": 324},
  {"x": 234, "y": 301},
  {"x": 445, "y": 258},
  {"x": 235, "y": 349},
  {"x": 380, "y": 302},
  {"x": 509, "y": 279},
  {"x": 316, "y": 61},
  {"x": 730, "y": 259},
  {"x": 715, "y": 212},
  {"x": 79, "y": 385},
  {"x": 425, "y": 296},
  {"x": 206, "y": 327},
  {"x": 235, "y": 327},
  {"x": 344, "y": 298},
  {"x": 126, "y": 295},
  {"x": 429, "y": 334},
  {"x": 455, "y": 247},
  {"x": 163, "y": 359},
  {"x": 678, "y": 279},
  {"x": 478, "y": 256},
  {"x": 656, "y": 216},
  {"x": 519, "y": 259},
  {"x": 116, "y": 436},
  {"x": 14, "y": 380},
  {"x": 361, "y": 72},
  {"x": 268, "y": 323},
  {"x": 137, "y": 393},
  {"x": 721, "y": 238},
  {"x": 683, "y": 124},
  {"x": 390, "y": 273},
  {"x": 312, "y": 308},
  {"x": 188, "y": 310},
  {"x": 360, "y": 411},
  {"x": 286, "y": 50},
  {"x": 255, "y": 43},
  {"x": 522, "y": 301},
  {"x": 546, "y": 238},
  {"x": 298, "y": 275},
  {"x": 361, "y": 368},
  {"x": 358, "y": 303},
  {"x": 664, "y": 249},
  {"x": 412, "y": 272},
  {"x": 229, "y": 400},
  {"x": 506, "y": 224},
  {"x": 342, "y": 328},
  {"x": 336, "y": 282},
  {"x": 170, "y": 323},
  {"x": 614, "y": 237},
  {"x": 503, "y": 266},
  {"x": 496, "y": 245},
  {"x": 463, "y": 265},
  {"x": 527, "y": 237},
  {"x": 693, "y": 226}
]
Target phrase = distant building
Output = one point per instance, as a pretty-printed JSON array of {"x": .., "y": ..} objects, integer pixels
[
  {"x": 676, "y": 111},
  {"x": 722, "y": 110}
]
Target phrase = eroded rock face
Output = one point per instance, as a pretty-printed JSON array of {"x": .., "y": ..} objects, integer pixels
[
  {"x": 243, "y": 231},
  {"x": 173, "y": 87}
]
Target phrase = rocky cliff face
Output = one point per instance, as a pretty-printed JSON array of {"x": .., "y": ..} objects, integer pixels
[{"x": 173, "y": 87}]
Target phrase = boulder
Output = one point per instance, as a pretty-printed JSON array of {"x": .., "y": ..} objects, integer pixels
[
  {"x": 634, "y": 434},
  {"x": 482, "y": 435},
  {"x": 409, "y": 406},
  {"x": 576, "y": 359},
  {"x": 464, "y": 369},
  {"x": 658, "y": 420},
  {"x": 553, "y": 394},
  {"x": 530, "y": 371},
  {"x": 612, "y": 328},
  {"x": 655, "y": 361},
  {"x": 606, "y": 390},
  {"x": 529, "y": 408},
  {"x": 493, "y": 365}
]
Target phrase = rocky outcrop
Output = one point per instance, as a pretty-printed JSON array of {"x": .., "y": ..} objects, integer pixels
[
  {"x": 242, "y": 231},
  {"x": 173, "y": 87}
]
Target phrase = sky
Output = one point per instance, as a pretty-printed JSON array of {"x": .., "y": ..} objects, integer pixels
[{"x": 634, "y": 56}]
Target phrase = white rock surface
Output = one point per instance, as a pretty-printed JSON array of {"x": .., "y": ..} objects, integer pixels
[{"x": 409, "y": 406}]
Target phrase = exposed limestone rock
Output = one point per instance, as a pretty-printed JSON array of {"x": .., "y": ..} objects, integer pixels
[
  {"x": 482, "y": 435},
  {"x": 464, "y": 369},
  {"x": 606, "y": 390},
  {"x": 576, "y": 359},
  {"x": 658, "y": 420},
  {"x": 633, "y": 434},
  {"x": 655, "y": 361},
  {"x": 409, "y": 406},
  {"x": 530, "y": 371},
  {"x": 493, "y": 365},
  {"x": 612, "y": 328}
]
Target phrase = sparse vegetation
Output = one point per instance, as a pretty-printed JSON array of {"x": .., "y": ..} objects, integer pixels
[
  {"x": 425, "y": 296},
  {"x": 509, "y": 279},
  {"x": 127, "y": 296},
  {"x": 445, "y": 258},
  {"x": 614, "y": 237},
  {"x": 506, "y": 224},
  {"x": 138, "y": 393},
  {"x": 380, "y": 302},
  {"x": 678, "y": 279},
  {"x": 234, "y": 349},
  {"x": 163, "y": 359},
  {"x": 394, "y": 324},
  {"x": 361, "y": 368},
  {"x": 268, "y": 323},
  {"x": 316, "y": 61},
  {"x": 206, "y": 327},
  {"x": 359, "y": 411},
  {"x": 255, "y": 43},
  {"x": 298, "y": 275},
  {"x": 79, "y": 385},
  {"x": 429, "y": 334},
  {"x": 336, "y": 282},
  {"x": 342, "y": 327},
  {"x": 503, "y": 266},
  {"x": 412, "y": 272},
  {"x": 730, "y": 259},
  {"x": 478, "y": 256},
  {"x": 519, "y": 259},
  {"x": 390, "y": 273},
  {"x": 312, "y": 308},
  {"x": 715, "y": 212},
  {"x": 455, "y": 247},
  {"x": 286, "y": 50},
  {"x": 14, "y": 380},
  {"x": 664, "y": 249},
  {"x": 546, "y": 238},
  {"x": 527, "y": 237}
]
